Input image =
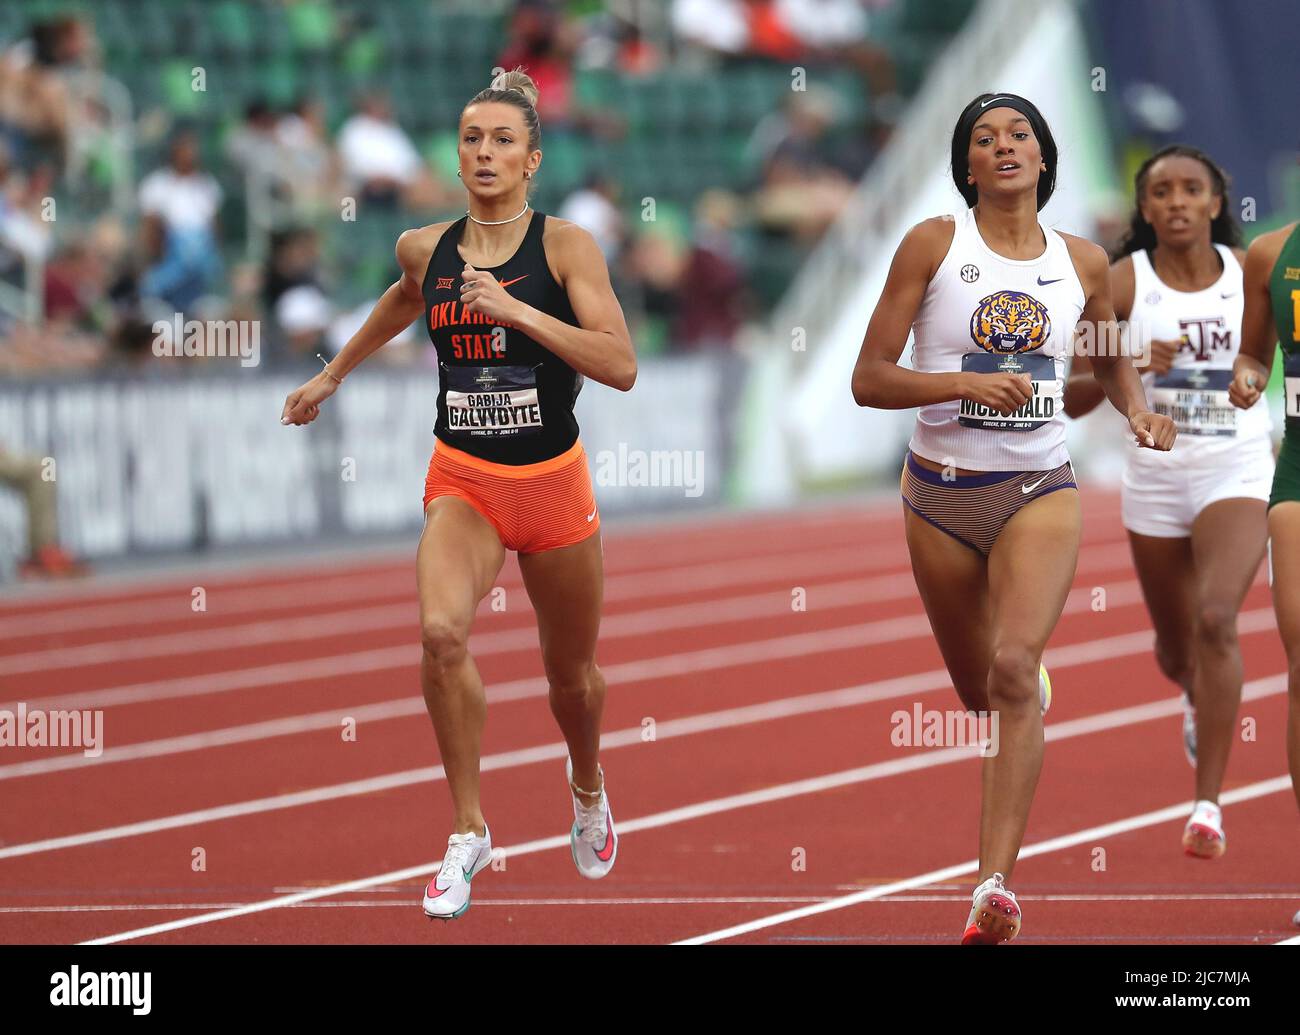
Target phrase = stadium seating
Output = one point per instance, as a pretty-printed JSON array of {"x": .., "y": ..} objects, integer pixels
[{"x": 686, "y": 131}]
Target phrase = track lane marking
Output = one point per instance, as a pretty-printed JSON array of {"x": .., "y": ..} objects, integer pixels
[
  {"x": 1134, "y": 715},
  {"x": 1177, "y": 811}
]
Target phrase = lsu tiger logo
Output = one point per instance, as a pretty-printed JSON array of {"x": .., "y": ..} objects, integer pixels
[{"x": 1010, "y": 322}]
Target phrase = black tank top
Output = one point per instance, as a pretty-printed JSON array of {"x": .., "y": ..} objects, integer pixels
[{"x": 502, "y": 397}]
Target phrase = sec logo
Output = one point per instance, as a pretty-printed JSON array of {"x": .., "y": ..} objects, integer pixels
[{"x": 970, "y": 274}]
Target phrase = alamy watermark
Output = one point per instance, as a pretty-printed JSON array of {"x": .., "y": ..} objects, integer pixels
[
  {"x": 36, "y": 727},
  {"x": 1133, "y": 338},
  {"x": 674, "y": 468},
  {"x": 209, "y": 339},
  {"x": 932, "y": 727},
  {"x": 75, "y": 987}
]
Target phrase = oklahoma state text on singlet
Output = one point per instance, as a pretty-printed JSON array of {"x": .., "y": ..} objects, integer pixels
[{"x": 502, "y": 397}]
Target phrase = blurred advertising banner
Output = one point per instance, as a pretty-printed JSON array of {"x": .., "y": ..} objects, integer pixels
[{"x": 180, "y": 465}]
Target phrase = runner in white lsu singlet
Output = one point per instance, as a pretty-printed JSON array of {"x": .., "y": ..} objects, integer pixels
[
  {"x": 993, "y": 299},
  {"x": 983, "y": 311}
]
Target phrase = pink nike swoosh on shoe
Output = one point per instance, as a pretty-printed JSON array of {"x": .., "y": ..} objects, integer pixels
[{"x": 604, "y": 854}]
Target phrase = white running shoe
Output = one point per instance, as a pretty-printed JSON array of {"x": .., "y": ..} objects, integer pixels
[
  {"x": 447, "y": 895},
  {"x": 1044, "y": 689},
  {"x": 1203, "y": 836},
  {"x": 1189, "y": 731},
  {"x": 592, "y": 837},
  {"x": 994, "y": 914}
]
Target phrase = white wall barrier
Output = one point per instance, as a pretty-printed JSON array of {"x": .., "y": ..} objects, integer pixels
[{"x": 188, "y": 464}]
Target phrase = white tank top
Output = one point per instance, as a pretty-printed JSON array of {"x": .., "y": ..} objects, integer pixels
[
  {"x": 984, "y": 312},
  {"x": 1195, "y": 392}
]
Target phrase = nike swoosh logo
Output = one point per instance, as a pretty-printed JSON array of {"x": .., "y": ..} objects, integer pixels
[
  {"x": 466, "y": 875},
  {"x": 604, "y": 854},
  {"x": 1027, "y": 489},
  {"x": 985, "y": 104},
  {"x": 1230, "y": 294},
  {"x": 591, "y": 516},
  {"x": 1044, "y": 283},
  {"x": 507, "y": 283}
]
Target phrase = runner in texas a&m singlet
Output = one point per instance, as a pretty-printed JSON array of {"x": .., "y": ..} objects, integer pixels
[
  {"x": 1272, "y": 289},
  {"x": 520, "y": 309},
  {"x": 990, "y": 504},
  {"x": 1195, "y": 517}
]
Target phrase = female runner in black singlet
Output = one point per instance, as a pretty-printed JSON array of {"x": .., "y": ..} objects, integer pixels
[{"x": 520, "y": 309}]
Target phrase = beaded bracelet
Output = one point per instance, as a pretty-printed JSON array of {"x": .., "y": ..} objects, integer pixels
[{"x": 328, "y": 372}]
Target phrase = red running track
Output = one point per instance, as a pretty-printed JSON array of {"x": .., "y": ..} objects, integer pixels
[{"x": 755, "y": 667}]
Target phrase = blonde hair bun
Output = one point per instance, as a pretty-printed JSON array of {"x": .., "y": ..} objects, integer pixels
[{"x": 519, "y": 80}]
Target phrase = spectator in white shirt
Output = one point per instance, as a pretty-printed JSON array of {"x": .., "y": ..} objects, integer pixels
[
  {"x": 379, "y": 161},
  {"x": 179, "y": 204}
]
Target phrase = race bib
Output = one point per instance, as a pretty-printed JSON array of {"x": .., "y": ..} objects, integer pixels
[
  {"x": 492, "y": 402},
  {"x": 1038, "y": 411},
  {"x": 1291, "y": 370},
  {"x": 1196, "y": 400}
]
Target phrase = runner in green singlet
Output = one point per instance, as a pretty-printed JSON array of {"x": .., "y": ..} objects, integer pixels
[{"x": 1272, "y": 314}]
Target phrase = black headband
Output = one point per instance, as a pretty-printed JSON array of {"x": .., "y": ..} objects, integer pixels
[{"x": 1002, "y": 100}]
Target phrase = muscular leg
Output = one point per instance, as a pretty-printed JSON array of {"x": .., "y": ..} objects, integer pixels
[
  {"x": 1284, "y": 529},
  {"x": 1031, "y": 567},
  {"x": 1165, "y": 569},
  {"x": 1228, "y": 542},
  {"x": 952, "y": 580},
  {"x": 566, "y": 587},
  {"x": 457, "y": 561}
]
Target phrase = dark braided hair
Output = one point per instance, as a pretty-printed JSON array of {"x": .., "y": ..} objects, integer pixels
[{"x": 1141, "y": 235}]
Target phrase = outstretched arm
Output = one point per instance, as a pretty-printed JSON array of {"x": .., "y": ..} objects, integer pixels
[{"x": 401, "y": 304}]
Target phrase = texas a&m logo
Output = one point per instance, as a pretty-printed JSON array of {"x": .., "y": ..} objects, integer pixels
[{"x": 1204, "y": 337}]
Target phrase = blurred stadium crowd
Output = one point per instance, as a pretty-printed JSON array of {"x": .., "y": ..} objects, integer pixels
[{"x": 256, "y": 159}]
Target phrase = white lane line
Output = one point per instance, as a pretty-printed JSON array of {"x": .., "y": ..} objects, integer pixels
[
  {"x": 295, "y": 672},
  {"x": 780, "y": 792},
  {"x": 251, "y": 575},
  {"x": 404, "y": 615},
  {"x": 700, "y": 535},
  {"x": 772, "y": 603},
  {"x": 716, "y": 900},
  {"x": 622, "y": 582},
  {"x": 799, "y": 704},
  {"x": 313, "y": 626},
  {"x": 710, "y": 537},
  {"x": 1178, "y": 811},
  {"x": 404, "y": 903},
  {"x": 665, "y": 581},
  {"x": 888, "y": 630},
  {"x": 329, "y": 590}
]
